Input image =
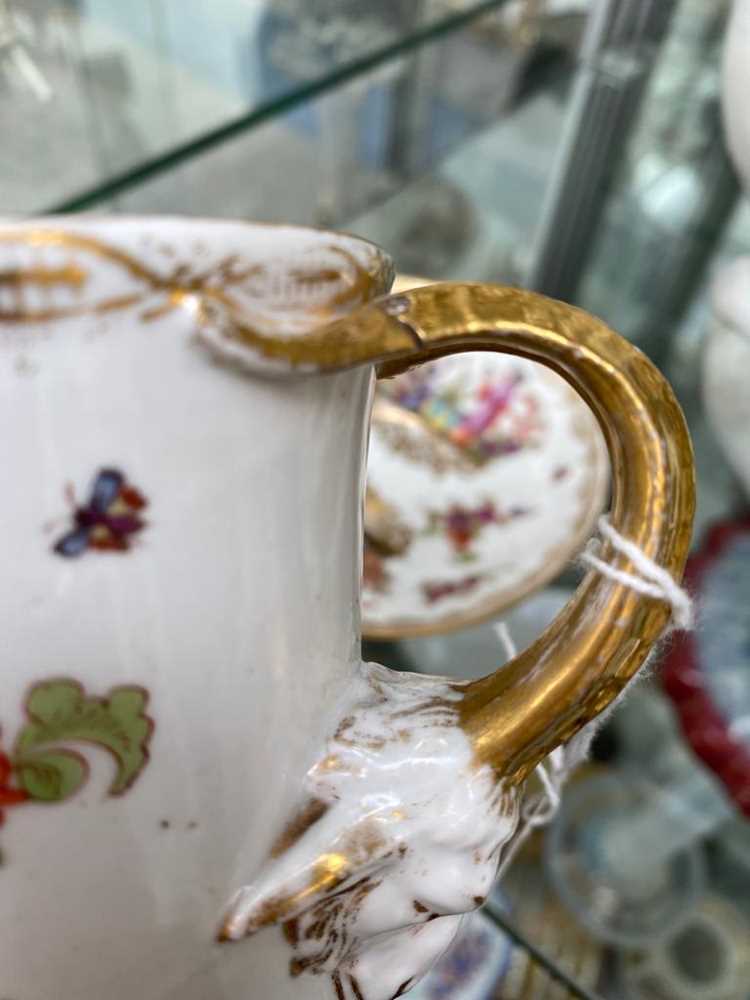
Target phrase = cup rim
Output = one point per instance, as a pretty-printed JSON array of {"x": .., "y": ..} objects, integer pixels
[
  {"x": 67, "y": 222},
  {"x": 272, "y": 267}
]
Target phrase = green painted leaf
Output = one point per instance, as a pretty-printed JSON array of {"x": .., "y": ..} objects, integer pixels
[
  {"x": 52, "y": 775},
  {"x": 61, "y": 712}
]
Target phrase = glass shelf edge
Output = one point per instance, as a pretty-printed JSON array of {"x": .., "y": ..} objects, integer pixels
[{"x": 182, "y": 153}]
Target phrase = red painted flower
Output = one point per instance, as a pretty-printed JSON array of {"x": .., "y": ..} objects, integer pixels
[
  {"x": 462, "y": 525},
  {"x": 8, "y": 796}
]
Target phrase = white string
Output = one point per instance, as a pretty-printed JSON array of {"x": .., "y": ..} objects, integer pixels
[
  {"x": 554, "y": 772},
  {"x": 651, "y": 579},
  {"x": 536, "y": 810}
]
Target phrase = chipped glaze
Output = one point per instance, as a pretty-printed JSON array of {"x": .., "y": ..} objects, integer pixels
[{"x": 397, "y": 836}]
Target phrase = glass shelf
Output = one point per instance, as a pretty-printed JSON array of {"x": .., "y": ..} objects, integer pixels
[
  {"x": 120, "y": 93},
  {"x": 410, "y": 127},
  {"x": 474, "y": 214},
  {"x": 377, "y": 130}
]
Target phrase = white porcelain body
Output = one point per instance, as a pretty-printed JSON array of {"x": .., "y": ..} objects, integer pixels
[
  {"x": 726, "y": 363},
  {"x": 736, "y": 87},
  {"x": 236, "y": 609}
]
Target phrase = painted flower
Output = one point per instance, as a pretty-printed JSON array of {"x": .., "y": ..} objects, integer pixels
[
  {"x": 494, "y": 418},
  {"x": 374, "y": 574},
  {"x": 8, "y": 796},
  {"x": 461, "y": 525},
  {"x": 436, "y": 590},
  {"x": 60, "y": 718}
]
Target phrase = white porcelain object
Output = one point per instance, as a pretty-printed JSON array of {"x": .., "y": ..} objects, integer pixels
[
  {"x": 191, "y": 749},
  {"x": 736, "y": 87},
  {"x": 726, "y": 365},
  {"x": 727, "y": 354},
  {"x": 233, "y": 610}
]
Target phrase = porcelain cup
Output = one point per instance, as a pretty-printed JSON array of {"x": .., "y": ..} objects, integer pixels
[{"x": 205, "y": 793}]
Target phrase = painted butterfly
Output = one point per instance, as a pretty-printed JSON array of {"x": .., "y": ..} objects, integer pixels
[{"x": 109, "y": 519}]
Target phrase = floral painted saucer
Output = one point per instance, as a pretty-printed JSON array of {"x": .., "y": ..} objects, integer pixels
[{"x": 486, "y": 476}]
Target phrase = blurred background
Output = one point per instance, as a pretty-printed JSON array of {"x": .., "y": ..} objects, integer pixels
[{"x": 575, "y": 147}]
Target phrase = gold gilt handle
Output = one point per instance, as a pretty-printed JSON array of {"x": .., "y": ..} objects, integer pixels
[
  {"x": 579, "y": 665},
  {"x": 517, "y": 715}
]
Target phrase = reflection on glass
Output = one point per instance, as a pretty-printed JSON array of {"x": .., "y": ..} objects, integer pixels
[
  {"x": 128, "y": 82},
  {"x": 673, "y": 194}
]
